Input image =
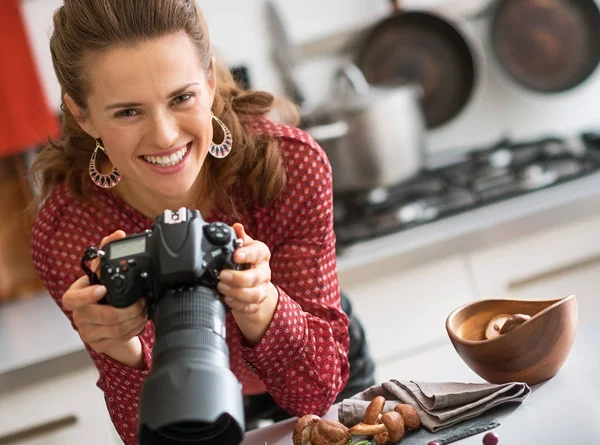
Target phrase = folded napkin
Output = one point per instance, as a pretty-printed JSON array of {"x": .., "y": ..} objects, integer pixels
[{"x": 439, "y": 405}]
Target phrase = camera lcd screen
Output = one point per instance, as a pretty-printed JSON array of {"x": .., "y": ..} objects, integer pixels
[{"x": 128, "y": 247}]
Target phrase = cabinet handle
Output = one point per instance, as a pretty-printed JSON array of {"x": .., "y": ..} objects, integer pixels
[
  {"x": 38, "y": 430},
  {"x": 569, "y": 267}
]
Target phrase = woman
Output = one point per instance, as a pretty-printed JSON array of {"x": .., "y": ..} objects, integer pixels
[{"x": 142, "y": 96}]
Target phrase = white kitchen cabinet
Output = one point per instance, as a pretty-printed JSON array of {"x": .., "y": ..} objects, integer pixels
[
  {"x": 547, "y": 265},
  {"x": 404, "y": 310},
  {"x": 67, "y": 409}
]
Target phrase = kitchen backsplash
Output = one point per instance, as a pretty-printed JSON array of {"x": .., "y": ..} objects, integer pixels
[{"x": 498, "y": 108}]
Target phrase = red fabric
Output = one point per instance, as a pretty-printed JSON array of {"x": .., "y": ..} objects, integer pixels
[
  {"x": 26, "y": 118},
  {"x": 302, "y": 359}
]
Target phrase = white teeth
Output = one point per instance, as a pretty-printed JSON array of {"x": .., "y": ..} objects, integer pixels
[{"x": 167, "y": 161}]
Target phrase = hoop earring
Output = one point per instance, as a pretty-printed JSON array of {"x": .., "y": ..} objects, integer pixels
[
  {"x": 221, "y": 150},
  {"x": 100, "y": 179}
]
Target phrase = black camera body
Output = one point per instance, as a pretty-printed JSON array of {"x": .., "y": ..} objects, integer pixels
[
  {"x": 181, "y": 249},
  {"x": 190, "y": 395}
]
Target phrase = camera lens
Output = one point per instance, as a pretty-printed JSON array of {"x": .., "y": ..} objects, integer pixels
[{"x": 191, "y": 395}]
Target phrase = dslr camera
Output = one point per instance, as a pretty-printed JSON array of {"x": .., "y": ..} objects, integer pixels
[{"x": 190, "y": 396}]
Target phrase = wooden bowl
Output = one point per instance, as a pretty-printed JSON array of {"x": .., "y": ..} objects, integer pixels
[{"x": 533, "y": 352}]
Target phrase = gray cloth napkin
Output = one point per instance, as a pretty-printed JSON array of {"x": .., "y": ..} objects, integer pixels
[{"x": 439, "y": 405}]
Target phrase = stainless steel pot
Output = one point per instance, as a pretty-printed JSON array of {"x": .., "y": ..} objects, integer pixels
[{"x": 373, "y": 137}]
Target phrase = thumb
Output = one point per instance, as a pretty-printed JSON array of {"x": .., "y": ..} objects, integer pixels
[{"x": 241, "y": 233}]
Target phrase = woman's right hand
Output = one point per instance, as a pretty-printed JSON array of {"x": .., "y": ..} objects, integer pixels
[{"x": 106, "y": 329}]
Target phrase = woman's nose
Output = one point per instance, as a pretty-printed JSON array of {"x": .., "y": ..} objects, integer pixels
[{"x": 165, "y": 130}]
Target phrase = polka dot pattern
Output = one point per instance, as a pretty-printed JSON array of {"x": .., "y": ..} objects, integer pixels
[{"x": 302, "y": 359}]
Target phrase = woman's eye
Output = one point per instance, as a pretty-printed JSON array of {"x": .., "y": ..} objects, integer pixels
[
  {"x": 126, "y": 113},
  {"x": 181, "y": 98}
]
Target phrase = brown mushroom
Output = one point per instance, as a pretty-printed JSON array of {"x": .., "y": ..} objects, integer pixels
[
  {"x": 495, "y": 325},
  {"x": 411, "y": 418},
  {"x": 382, "y": 438},
  {"x": 513, "y": 321},
  {"x": 394, "y": 424},
  {"x": 362, "y": 429},
  {"x": 328, "y": 432},
  {"x": 302, "y": 429},
  {"x": 374, "y": 410}
]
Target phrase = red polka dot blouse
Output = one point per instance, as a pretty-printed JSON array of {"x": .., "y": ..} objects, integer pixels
[{"x": 302, "y": 359}]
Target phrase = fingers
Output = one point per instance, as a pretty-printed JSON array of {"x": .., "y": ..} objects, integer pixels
[
  {"x": 118, "y": 234},
  {"x": 104, "y": 327},
  {"x": 107, "y": 315},
  {"x": 255, "y": 276},
  {"x": 252, "y": 252},
  {"x": 92, "y": 333},
  {"x": 81, "y": 294}
]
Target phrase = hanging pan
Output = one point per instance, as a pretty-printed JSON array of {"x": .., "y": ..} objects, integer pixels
[
  {"x": 547, "y": 46},
  {"x": 427, "y": 48}
]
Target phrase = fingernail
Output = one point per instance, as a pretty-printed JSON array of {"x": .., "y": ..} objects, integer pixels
[
  {"x": 241, "y": 256},
  {"x": 225, "y": 276},
  {"x": 229, "y": 300},
  {"x": 100, "y": 291}
]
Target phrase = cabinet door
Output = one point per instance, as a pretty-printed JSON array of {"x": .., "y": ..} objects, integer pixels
[
  {"x": 405, "y": 310},
  {"x": 64, "y": 410},
  {"x": 547, "y": 265}
]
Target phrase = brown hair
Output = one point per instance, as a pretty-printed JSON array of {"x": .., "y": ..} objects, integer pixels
[{"x": 83, "y": 27}]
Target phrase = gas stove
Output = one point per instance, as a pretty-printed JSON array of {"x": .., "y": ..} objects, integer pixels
[{"x": 482, "y": 176}]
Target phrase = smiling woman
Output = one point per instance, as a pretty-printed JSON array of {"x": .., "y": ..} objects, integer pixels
[{"x": 152, "y": 121}]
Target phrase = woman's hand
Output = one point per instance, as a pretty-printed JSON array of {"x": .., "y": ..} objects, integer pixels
[
  {"x": 249, "y": 293},
  {"x": 105, "y": 328}
]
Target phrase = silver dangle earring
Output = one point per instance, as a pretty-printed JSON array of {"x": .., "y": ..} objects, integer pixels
[
  {"x": 100, "y": 179},
  {"x": 221, "y": 150}
]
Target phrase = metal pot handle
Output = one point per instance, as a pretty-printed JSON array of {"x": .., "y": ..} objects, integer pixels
[
  {"x": 350, "y": 74},
  {"x": 329, "y": 132}
]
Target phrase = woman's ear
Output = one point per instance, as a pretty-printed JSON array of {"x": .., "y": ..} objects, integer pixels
[
  {"x": 211, "y": 77},
  {"x": 80, "y": 116}
]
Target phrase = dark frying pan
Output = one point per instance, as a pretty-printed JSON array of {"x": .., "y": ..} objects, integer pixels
[
  {"x": 426, "y": 48},
  {"x": 547, "y": 45}
]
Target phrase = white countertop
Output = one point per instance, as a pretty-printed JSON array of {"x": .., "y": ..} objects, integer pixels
[
  {"x": 563, "y": 410},
  {"x": 34, "y": 331}
]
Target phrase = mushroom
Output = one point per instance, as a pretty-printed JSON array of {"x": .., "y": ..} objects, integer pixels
[
  {"x": 513, "y": 321},
  {"x": 328, "y": 432},
  {"x": 390, "y": 430},
  {"x": 302, "y": 429},
  {"x": 411, "y": 418},
  {"x": 374, "y": 410},
  {"x": 495, "y": 325},
  {"x": 394, "y": 426}
]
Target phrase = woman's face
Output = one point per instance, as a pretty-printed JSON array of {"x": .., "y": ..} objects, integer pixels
[{"x": 151, "y": 105}]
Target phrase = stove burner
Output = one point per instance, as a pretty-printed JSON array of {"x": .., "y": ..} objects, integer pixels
[{"x": 488, "y": 175}]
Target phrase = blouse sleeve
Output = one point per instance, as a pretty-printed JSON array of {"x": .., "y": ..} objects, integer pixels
[
  {"x": 302, "y": 358},
  {"x": 54, "y": 251}
]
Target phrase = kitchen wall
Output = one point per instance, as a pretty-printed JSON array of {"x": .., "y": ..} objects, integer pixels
[{"x": 499, "y": 107}]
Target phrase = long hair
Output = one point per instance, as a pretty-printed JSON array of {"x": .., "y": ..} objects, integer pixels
[{"x": 87, "y": 27}]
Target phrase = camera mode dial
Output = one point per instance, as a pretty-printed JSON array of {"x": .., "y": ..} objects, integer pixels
[{"x": 217, "y": 233}]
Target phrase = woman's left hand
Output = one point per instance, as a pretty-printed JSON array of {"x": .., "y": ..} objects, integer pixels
[{"x": 249, "y": 292}]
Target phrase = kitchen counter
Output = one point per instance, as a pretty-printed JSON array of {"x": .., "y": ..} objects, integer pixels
[
  {"x": 563, "y": 410},
  {"x": 35, "y": 330}
]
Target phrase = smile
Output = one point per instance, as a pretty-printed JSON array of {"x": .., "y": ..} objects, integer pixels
[{"x": 167, "y": 161}]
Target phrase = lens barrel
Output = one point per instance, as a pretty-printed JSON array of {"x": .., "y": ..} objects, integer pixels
[{"x": 190, "y": 396}]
